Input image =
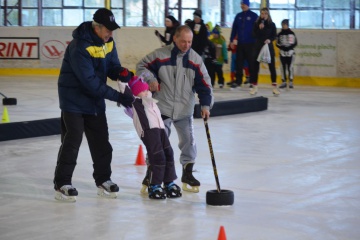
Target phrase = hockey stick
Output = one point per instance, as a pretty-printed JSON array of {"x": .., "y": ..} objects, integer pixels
[{"x": 212, "y": 155}]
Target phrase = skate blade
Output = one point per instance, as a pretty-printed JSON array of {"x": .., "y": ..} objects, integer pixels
[
  {"x": 194, "y": 189},
  {"x": 158, "y": 197},
  {"x": 63, "y": 198},
  {"x": 144, "y": 189},
  {"x": 276, "y": 94},
  {"x": 235, "y": 89},
  {"x": 174, "y": 195},
  {"x": 104, "y": 194}
]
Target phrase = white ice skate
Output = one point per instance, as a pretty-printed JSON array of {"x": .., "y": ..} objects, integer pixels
[
  {"x": 108, "y": 189},
  {"x": 144, "y": 189},
  {"x": 276, "y": 92},
  {"x": 253, "y": 90},
  {"x": 66, "y": 193},
  {"x": 189, "y": 188}
]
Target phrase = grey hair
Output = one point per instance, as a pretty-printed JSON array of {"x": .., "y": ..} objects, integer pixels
[
  {"x": 94, "y": 24},
  {"x": 182, "y": 28}
]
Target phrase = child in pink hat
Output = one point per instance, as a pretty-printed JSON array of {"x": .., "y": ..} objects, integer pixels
[{"x": 151, "y": 130}]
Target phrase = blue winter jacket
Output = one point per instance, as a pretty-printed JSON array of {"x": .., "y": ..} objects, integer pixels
[
  {"x": 243, "y": 27},
  {"x": 87, "y": 63}
]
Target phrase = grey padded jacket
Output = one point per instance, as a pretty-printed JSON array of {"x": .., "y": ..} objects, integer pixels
[{"x": 180, "y": 76}]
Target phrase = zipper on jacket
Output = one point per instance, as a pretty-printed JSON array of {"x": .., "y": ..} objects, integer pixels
[{"x": 104, "y": 48}]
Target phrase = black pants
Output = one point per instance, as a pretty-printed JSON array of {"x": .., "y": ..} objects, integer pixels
[
  {"x": 210, "y": 67},
  {"x": 160, "y": 155},
  {"x": 217, "y": 70},
  {"x": 243, "y": 52},
  {"x": 256, "y": 65},
  {"x": 287, "y": 65},
  {"x": 96, "y": 131}
]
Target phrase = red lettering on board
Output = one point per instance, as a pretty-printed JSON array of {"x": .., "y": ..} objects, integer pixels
[
  {"x": 2, "y": 48},
  {"x": 30, "y": 45},
  {"x": 18, "y": 48}
]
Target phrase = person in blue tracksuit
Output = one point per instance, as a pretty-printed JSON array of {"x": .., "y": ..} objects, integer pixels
[{"x": 242, "y": 28}]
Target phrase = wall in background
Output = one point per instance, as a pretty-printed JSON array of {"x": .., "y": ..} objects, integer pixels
[{"x": 323, "y": 54}]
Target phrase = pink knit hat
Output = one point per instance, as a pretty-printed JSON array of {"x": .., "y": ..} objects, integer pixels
[{"x": 137, "y": 85}]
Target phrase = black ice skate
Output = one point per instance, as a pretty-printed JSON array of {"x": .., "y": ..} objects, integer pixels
[
  {"x": 66, "y": 193},
  {"x": 156, "y": 192},
  {"x": 145, "y": 182},
  {"x": 283, "y": 85},
  {"x": 108, "y": 189},
  {"x": 291, "y": 84},
  {"x": 188, "y": 179},
  {"x": 172, "y": 190}
]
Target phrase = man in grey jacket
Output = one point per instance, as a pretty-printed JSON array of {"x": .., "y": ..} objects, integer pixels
[{"x": 175, "y": 72}]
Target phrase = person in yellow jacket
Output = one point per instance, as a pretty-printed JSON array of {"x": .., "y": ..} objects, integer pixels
[
  {"x": 209, "y": 28},
  {"x": 221, "y": 56}
]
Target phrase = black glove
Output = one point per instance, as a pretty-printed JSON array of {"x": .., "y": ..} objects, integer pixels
[
  {"x": 285, "y": 48},
  {"x": 124, "y": 75},
  {"x": 126, "y": 99},
  {"x": 157, "y": 33},
  {"x": 225, "y": 61}
]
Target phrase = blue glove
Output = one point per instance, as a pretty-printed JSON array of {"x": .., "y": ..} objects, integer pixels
[
  {"x": 126, "y": 100},
  {"x": 124, "y": 75},
  {"x": 225, "y": 61}
]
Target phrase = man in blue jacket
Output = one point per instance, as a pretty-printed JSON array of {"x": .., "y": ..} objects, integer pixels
[
  {"x": 242, "y": 28},
  {"x": 90, "y": 58}
]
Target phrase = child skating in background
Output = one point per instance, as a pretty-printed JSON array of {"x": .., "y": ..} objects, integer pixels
[
  {"x": 286, "y": 42},
  {"x": 151, "y": 130},
  {"x": 221, "y": 56},
  {"x": 171, "y": 23}
]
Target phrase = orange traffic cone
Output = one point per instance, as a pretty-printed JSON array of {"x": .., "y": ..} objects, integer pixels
[
  {"x": 5, "y": 116},
  {"x": 222, "y": 235},
  {"x": 140, "y": 159}
]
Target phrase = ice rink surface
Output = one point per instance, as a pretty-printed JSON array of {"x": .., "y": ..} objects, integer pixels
[{"x": 294, "y": 170}]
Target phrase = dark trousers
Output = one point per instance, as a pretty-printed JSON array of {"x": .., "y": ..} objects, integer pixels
[
  {"x": 217, "y": 70},
  {"x": 244, "y": 51},
  {"x": 160, "y": 155},
  {"x": 96, "y": 131},
  {"x": 210, "y": 68},
  {"x": 256, "y": 65},
  {"x": 287, "y": 65}
]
